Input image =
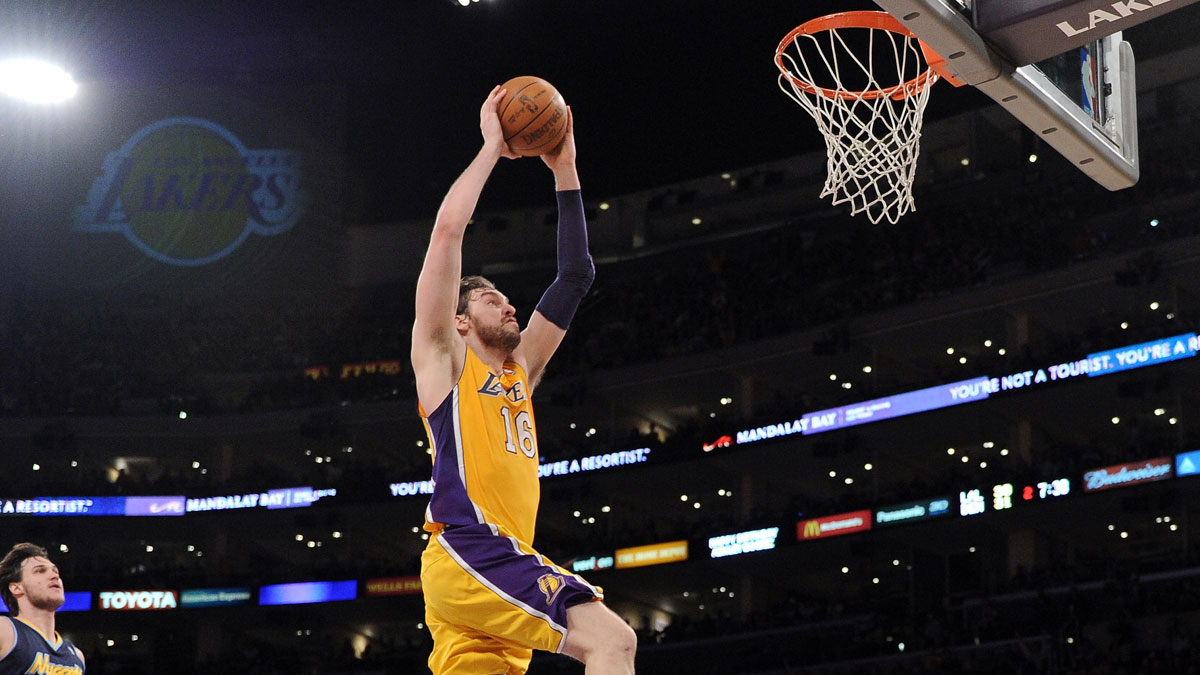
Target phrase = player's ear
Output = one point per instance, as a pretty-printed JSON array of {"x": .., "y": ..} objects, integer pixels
[{"x": 462, "y": 322}]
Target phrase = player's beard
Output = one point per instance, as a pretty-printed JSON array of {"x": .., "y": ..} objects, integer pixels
[
  {"x": 500, "y": 337},
  {"x": 46, "y": 603}
]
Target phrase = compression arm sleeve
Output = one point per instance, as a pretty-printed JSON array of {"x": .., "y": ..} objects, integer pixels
[{"x": 575, "y": 268}]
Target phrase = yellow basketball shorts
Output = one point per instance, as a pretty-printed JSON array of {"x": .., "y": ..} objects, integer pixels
[{"x": 490, "y": 600}]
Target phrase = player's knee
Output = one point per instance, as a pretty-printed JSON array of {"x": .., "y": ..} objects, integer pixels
[
  {"x": 617, "y": 643},
  {"x": 617, "y": 638},
  {"x": 603, "y": 636},
  {"x": 623, "y": 640}
]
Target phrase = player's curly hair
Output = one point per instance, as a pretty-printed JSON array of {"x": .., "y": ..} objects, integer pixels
[
  {"x": 468, "y": 284},
  {"x": 10, "y": 570}
]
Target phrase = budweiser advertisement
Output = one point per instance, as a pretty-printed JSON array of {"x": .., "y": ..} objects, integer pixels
[{"x": 1132, "y": 473}]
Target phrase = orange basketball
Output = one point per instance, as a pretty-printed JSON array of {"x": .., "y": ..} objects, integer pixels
[{"x": 533, "y": 116}]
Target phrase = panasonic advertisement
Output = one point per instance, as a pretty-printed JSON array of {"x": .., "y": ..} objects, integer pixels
[{"x": 912, "y": 511}]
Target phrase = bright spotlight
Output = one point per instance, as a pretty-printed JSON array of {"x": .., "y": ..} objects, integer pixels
[{"x": 36, "y": 81}]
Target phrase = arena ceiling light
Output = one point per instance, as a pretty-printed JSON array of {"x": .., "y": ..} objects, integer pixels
[{"x": 36, "y": 81}]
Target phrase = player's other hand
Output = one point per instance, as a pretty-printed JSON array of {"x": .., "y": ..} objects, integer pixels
[
  {"x": 489, "y": 124},
  {"x": 563, "y": 155}
]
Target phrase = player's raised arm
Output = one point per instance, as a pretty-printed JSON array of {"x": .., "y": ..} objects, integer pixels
[
  {"x": 436, "y": 345},
  {"x": 557, "y": 307}
]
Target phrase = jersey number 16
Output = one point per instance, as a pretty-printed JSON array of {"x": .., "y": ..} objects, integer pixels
[{"x": 523, "y": 436}]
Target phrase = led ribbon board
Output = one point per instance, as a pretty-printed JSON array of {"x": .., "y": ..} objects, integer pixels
[
  {"x": 393, "y": 586},
  {"x": 743, "y": 542},
  {"x": 832, "y": 526},
  {"x": 138, "y": 600},
  {"x": 1187, "y": 463},
  {"x": 282, "y": 498},
  {"x": 1132, "y": 473},
  {"x": 74, "y": 601},
  {"x": 214, "y": 597},
  {"x": 912, "y": 511},
  {"x": 601, "y": 562},
  {"x": 307, "y": 592},
  {"x": 653, "y": 554},
  {"x": 977, "y": 389}
]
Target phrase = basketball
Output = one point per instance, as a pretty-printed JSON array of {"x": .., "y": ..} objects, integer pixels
[{"x": 533, "y": 115}]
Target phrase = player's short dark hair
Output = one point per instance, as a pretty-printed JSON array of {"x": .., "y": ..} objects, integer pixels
[
  {"x": 11, "y": 572},
  {"x": 468, "y": 284}
]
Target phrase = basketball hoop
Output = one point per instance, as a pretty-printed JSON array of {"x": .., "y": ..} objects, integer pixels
[{"x": 865, "y": 80}]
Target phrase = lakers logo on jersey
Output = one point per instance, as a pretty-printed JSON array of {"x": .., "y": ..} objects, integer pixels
[
  {"x": 550, "y": 584},
  {"x": 495, "y": 386}
]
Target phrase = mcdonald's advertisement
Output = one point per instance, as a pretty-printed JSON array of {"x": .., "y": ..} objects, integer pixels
[{"x": 832, "y": 526}]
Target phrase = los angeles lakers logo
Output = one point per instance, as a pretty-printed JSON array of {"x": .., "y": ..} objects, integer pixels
[
  {"x": 507, "y": 386},
  {"x": 550, "y": 584},
  {"x": 186, "y": 191}
]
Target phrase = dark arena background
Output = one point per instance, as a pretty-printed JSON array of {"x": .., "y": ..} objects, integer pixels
[{"x": 783, "y": 439}]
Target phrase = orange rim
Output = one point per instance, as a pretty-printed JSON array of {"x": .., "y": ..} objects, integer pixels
[{"x": 857, "y": 19}]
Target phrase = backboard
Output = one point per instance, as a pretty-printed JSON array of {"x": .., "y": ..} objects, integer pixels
[{"x": 1082, "y": 102}]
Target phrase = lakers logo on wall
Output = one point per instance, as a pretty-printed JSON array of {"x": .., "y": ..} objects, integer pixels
[
  {"x": 550, "y": 584},
  {"x": 186, "y": 191}
]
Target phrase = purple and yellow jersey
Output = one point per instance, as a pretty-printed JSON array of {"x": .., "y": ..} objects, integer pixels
[{"x": 485, "y": 457}]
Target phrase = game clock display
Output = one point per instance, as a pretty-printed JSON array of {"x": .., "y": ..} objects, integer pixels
[{"x": 1060, "y": 487}]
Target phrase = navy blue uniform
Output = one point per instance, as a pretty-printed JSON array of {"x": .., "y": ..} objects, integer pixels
[{"x": 35, "y": 654}]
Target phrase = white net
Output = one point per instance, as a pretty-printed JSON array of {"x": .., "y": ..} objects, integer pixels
[{"x": 873, "y": 130}]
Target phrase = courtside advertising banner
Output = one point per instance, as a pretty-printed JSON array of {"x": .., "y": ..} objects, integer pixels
[
  {"x": 653, "y": 554},
  {"x": 393, "y": 586},
  {"x": 74, "y": 601},
  {"x": 1132, "y": 473},
  {"x": 214, "y": 597},
  {"x": 832, "y": 526},
  {"x": 307, "y": 592},
  {"x": 912, "y": 511},
  {"x": 749, "y": 541},
  {"x": 138, "y": 600},
  {"x": 1187, "y": 463},
  {"x": 593, "y": 562}
]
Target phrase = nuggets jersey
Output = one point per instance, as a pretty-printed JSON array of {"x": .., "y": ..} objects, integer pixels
[
  {"x": 485, "y": 456},
  {"x": 35, "y": 653}
]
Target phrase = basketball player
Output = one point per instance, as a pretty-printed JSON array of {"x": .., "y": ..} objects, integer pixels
[
  {"x": 33, "y": 592},
  {"x": 490, "y": 598}
]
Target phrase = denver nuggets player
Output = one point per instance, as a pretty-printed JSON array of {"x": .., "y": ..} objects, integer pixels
[
  {"x": 33, "y": 592},
  {"x": 490, "y": 598}
]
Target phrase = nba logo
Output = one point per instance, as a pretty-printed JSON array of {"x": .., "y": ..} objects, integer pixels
[{"x": 1087, "y": 72}]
